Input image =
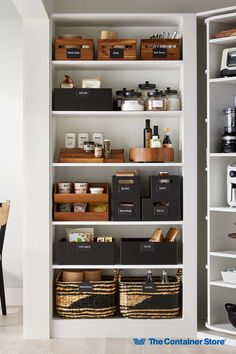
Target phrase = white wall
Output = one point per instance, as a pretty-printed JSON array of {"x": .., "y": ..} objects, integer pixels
[{"x": 11, "y": 145}]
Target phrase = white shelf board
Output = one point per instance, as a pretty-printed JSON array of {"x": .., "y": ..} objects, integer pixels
[
  {"x": 119, "y": 114},
  {"x": 116, "y": 327},
  {"x": 117, "y": 64},
  {"x": 222, "y": 327},
  {"x": 223, "y": 80},
  {"x": 126, "y": 164},
  {"x": 116, "y": 19},
  {"x": 221, "y": 154},
  {"x": 116, "y": 223},
  {"x": 224, "y": 40},
  {"x": 119, "y": 266},
  {"x": 225, "y": 254},
  {"x": 223, "y": 284},
  {"x": 223, "y": 209}
]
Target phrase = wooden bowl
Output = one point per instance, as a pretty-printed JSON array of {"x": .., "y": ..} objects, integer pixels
[{"x": 151, "y": 154}]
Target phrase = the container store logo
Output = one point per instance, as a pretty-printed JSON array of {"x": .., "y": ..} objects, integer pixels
[{"x": 139, "y": 341}]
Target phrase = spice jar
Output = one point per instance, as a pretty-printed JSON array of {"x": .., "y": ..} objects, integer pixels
[
  {"x": 118, "y": 99},
  {"x": 132, "y": 101},
  {"x": 107, "y": 148},
  {"x": 98, "y": 150},
  {"x": 156, "y": 101},
  {"x": 145, "y": 88},
  {"x": 173, "y": 99},
  {"x": 89, "y": 146}
]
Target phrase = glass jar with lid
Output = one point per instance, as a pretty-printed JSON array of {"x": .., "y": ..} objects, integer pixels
[
  {"x": 132, "y": 101},
  {"x": 118, "y": 99},
  {"x": 146, "y": 88},
  {"x": 173, "y": 97},
  {"x": 156, "y": 101}
]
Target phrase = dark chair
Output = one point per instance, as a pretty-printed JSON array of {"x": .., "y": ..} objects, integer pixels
[{"x": 4, "y": 212}]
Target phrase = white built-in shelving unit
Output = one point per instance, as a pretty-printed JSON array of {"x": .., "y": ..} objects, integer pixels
[
  {"x": 221, "y": 217},
  {"x": 125, "y": 129}
]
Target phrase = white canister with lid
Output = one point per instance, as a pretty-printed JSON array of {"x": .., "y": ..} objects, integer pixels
[
  {"x": 82, "y": 137},
  {"x": 70, "y": 140},
  {"x": 173, "y": 99},
  {"x": 97, "y": 138}
]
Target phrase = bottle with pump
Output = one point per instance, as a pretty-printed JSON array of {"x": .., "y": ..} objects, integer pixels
[
  {"x": 167, "y": 142},
  {"x": 164, "y": 278},
  {"x": 155, "y": 142},
  {"x": 147, "y": 135}
]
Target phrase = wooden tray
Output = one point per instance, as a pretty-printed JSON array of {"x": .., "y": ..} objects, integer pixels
[
  {"x": 80, "y": 156},
  {"x": 81, "y": 198},
  {"x": 160, "y": 49},
  {"x": 107, "y": 50},
  {"x": 72, "y": 49},
  {"x": 151, "y": 154}
]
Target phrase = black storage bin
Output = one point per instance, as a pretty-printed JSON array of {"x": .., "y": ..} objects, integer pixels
[
  {"x": 154, "y": 210},
  {"x": 90, "y": 253},
  {"x": 80, "y": 99},
  {"x": 126, "y": 188},
  {"x": 122, "y": 211},
  {"x": 140, "y": 251},
  {"x": 165, "y": 187}
]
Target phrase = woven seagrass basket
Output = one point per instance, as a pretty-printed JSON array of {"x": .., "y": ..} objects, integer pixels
[
  {"x": 98, "y": 302},
  {"x": 163, "y": 302}
]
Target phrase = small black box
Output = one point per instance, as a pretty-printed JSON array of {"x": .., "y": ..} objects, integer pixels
[
  {"x": 82, "y": 99},
  {"x": 126, "y": 188},
  {"x": 90, "y": 253},
  {"x": 161, "y": 210},
  {"x": 126, "y": 210},
  {"x": 165, "y": 187},
  {"x": 140, "y": 251}
]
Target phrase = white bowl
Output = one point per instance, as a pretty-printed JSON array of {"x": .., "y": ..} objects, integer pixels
[{"x": 96, "y": 190}]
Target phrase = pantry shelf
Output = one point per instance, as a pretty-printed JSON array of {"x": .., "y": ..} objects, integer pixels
[
  {"x": 226, "y": 254},
  {"x": 223, "y": 284},
  {"x": 221, "y": 154},
  {"x": 117, "y": 65},
  {"x": 222, "y": 327},
  {"x": 223, "y": 80},
  {"x": 126, "y": 164},
  {"x": 223, "y": 209},
  {"x": 117, "y": 223},
  {"x": 119, "y": 266},
  {"x": 224, "y": 40},
  {"x": 119, "y": 114}
]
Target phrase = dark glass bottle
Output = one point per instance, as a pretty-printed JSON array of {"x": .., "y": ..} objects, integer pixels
[
  {"x": 147, "y": 135},
  {"x": 167, "y": 142}
]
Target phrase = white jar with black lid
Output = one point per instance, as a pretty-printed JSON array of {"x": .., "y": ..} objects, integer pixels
[
  {"x": 132, "y": 101},
  {"x": 173, "y": 97}
]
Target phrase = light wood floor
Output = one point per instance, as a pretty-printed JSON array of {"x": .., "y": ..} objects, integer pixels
[{"x": 11, "y": 342}]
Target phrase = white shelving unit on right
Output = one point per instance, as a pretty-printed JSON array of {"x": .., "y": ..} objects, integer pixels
[{"x": 221, "y": 217}]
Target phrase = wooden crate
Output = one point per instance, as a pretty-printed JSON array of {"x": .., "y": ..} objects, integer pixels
[
  {"x": 59, "y": 198},
  {"x": 151, "y": 154},
  {"x": 73, "y": 49},
  {"x": 81, "y": 156},
  {"x": 160, "y": 49},
  {"x": 107, "y": 49}
]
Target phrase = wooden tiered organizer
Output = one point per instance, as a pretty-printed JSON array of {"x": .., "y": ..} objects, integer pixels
[
  {"x": 80, "y": 156},
  {"x": 59, "y": 198}
]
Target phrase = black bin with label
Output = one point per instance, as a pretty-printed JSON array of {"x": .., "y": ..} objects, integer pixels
[
  {"x": 82, "y": 99},
  {"x": 165, "y": 187},
  {"x": 90, "y": 253},
  {"x": 161, "y": 210},
  {"x": 140, "y": 251}
]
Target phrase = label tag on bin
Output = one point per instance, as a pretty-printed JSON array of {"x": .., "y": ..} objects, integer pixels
[
  {"x": 73, "y": 53},
  {"x": 117, "y": 53},
  {"x": 147, "y": 247},
  {"x": 159, "y": 52},
  {"x": 84, "y": 247},
  {"x": 149, "y": 288},
  {"x": 86, "y": 287}
]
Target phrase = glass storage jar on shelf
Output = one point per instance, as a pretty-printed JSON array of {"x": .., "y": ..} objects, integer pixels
[
  {"x": 173, "y": 97},
  {"x": 132, "y": 101},
  {"x": 145, "y": 88},
  {"x": 156, "y": 101},
  {"x": 118, "y": 99}
]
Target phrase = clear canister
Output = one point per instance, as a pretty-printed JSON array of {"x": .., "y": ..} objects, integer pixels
[
  {"x": 156, "y": 101},
  {"x": 132, "y": 101},
  {"x": 145, "y": 88},
  {"x": 174, "y": 103}
]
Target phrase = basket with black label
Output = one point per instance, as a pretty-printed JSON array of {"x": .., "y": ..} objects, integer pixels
[{"x": 160, "y": 49}]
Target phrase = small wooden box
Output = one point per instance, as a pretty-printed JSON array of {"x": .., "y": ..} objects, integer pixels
[
  {"x": 151, "y": 154},
  {"x": 117, "y": 49},
  {"x": 74, "y": 49},
  {"x": 60, "y": 198},
  {"x": 160, "y": 49}
]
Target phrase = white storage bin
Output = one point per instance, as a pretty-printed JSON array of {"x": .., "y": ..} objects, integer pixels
[{"x": 228, "y": 277}]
